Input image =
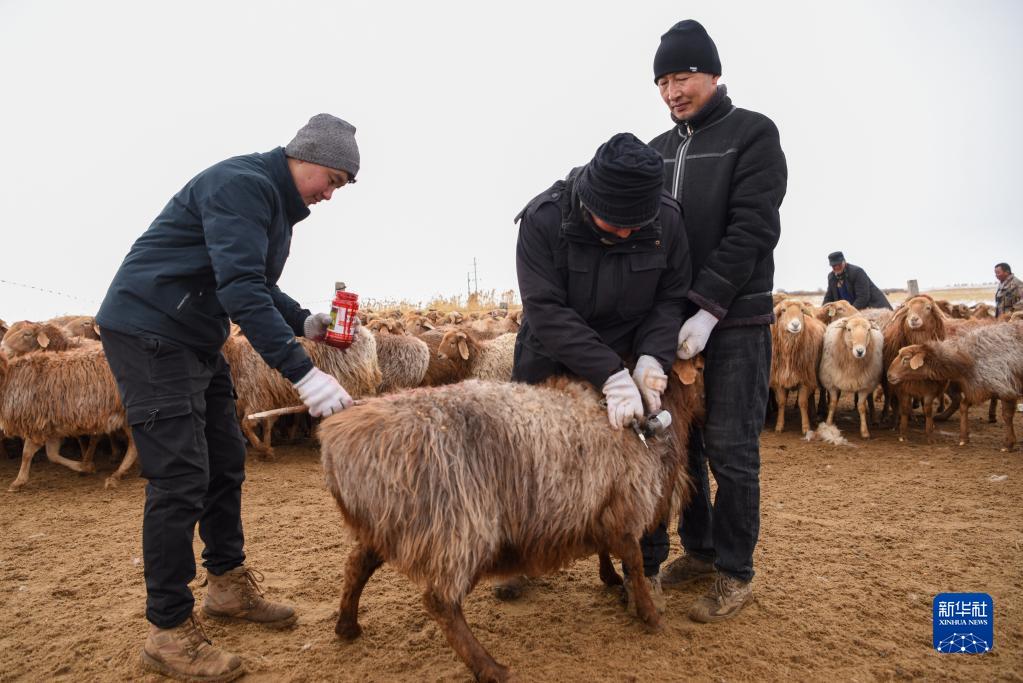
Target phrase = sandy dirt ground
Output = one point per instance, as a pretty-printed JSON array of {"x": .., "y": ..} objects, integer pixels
[{"x": 855, "y": 543}]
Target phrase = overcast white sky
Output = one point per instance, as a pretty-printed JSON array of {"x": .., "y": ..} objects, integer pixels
[{"x": 902, "y": 123}]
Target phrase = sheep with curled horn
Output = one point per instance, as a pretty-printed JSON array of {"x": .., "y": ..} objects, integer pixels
[{"x": 454, "y": 484}]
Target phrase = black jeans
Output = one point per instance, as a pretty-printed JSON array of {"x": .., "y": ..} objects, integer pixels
[
  {"x": 736, "y": 378},
  {"x": 181, "y": 407}
]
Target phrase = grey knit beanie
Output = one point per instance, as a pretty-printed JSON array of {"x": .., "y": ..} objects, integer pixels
[{"x": 328, "y": 141}]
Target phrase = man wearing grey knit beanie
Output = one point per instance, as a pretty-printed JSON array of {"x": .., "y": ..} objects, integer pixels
[{"x": 213, "y": 256}]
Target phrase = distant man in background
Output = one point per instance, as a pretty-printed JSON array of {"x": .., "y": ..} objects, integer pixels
[
  {"x": 849, "y": 282},
  {"x": 213, "y": 255},
  {"x": 1009, "y": 295},
  {"x": 726, "y": 167}
]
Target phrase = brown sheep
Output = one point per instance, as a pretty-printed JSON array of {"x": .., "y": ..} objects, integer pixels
[
  {"x": 835, "y": 310},
  {"x": 25, "y": 336},
  {"x": 479, "y": 359},
  {"x": 797, "y": 339},
  {"x": 985, "y": 362},
  {"x": 982, "y": 311},
  {"x": 83, "y": 327},
  {"x": 386, "y": 326},
  {"x": 422, "y": 481},
  {"x": 403, "y": 361},
  {"x": 918, "y": 320},
  {"x": 35, "y": 405}
]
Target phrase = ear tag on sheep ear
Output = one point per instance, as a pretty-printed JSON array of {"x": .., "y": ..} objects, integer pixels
[
  {"x": 917, "y": 361},
  {"x": 831, "y": 313},
  {"x": 463, "y": 349},
  {"x": 685, "y": 370},
  {"x": 43, "y": 340}
]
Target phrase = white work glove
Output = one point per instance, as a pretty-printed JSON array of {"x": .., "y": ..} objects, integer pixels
[
  {"x": 322, "y": 393},
  {"x": 315, "y": 326},
  {"x": 695, "y": 332},
  {"x": 651, "y": 381},
  {"x": 623, "y": 401}
]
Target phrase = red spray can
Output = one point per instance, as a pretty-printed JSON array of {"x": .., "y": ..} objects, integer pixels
[{"x": 342, "y": 318}]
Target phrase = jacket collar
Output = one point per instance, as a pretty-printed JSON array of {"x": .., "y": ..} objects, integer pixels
[
  {"x": 717, "y": 106},
  {"x": 277, "y": 164}
]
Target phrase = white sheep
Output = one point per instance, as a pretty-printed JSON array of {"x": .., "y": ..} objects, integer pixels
[{"x": 852, "y": 362}]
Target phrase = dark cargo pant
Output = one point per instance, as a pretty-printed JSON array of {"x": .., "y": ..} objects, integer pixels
[
  {"x": 182, "y": 413},
  {"x": 736, "y": 378}
]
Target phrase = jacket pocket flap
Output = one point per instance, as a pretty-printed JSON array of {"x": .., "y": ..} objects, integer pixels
[
  {"x": 151, "y": 410},
  {"x": 654, "y": 261}
]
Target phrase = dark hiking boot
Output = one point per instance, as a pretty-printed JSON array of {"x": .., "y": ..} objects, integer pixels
[
  {"x": 236, "y": 595},
  {"x": 723, "y": 600},
  {"x": 685, "y": 569},
  {"x": 186, "y": 653}
]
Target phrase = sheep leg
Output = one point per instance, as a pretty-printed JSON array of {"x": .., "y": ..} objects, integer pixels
[
  {"x": 608, "y": 574},
  {"x": 88, "y": 453},
  {"x": 362, "y": 562},
  {"x": 964, "y": 422},
  {"x": 53, "y": 455},
  {"x": 130, "y": 455},
  {"x": 1008, "y": 412},
  {"x": 832, "y": 402},
  {"x": 861, "y": 407},
  {"x": 928, "y": 407},
  {"x": 29, "y": 449},
  {"x": 780, "y": 397},
  {"x": 905, "y": 406},
  {"x": 250, "y": 434},
  {"x": 991, "y": 410},
  {"x": 452, "y": 622},
  {"x": 953, "y": 403},
  {"x": 804, "y": 407},
  {"x": 267, "y": 450},
  {"x": 822, "y": 401},
  {"x": 632, "y": 560}
]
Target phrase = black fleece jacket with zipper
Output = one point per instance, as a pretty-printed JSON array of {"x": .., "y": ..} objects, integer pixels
[{"x": 726, "y": 168}]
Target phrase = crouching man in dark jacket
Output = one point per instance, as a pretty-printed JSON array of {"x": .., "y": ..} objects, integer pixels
[
  {"x": 851, "y": 283},
  {"x": 603, "y": 269},
  {"x": 214, "y": 254}
]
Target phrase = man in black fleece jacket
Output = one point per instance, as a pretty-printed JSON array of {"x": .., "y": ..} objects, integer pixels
[
  {"x": 726, "y": 168},
  {"x": 214, "y": 254}
]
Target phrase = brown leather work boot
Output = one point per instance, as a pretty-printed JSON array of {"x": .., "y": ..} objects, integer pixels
[
  {"x": 236, "y": 595},
  {"x": 186, "y": 653},
  {"x": 685, "y": 569},
  {"x": 723, "y": 600}
]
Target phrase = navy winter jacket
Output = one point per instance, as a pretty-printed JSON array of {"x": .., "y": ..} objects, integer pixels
[{"x": 214, "y": 254}]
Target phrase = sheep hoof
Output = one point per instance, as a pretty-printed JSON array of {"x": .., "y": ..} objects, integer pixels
[
  {"x": 14, "y": 488},
  {"x": 962, "y": 443},
  {"x": 656, "y": 626},
  {"x": 902, "y": 439},
  {"x": 111, "y": 483},
  {"x": 348, "y": 630}
]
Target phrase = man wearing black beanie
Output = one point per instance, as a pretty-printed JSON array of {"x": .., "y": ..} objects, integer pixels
[
  {"x": 726, "y": 167},
  {"x": 603, "y": 268}
]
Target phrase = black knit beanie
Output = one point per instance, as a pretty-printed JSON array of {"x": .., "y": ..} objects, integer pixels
[
  {"x": 686, "y": 47},
  {"x": 622, "y": 184}
]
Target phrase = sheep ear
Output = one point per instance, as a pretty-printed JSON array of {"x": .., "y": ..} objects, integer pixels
[
  {"x": 840, "y": 323},
  {"x": 874, "y": 325},
  {"x": 463, "y": 349},
  {"x": 428, "y": 325},
  {"x": 807, "y": 311},
  {"x": 95, "y": 328},
  {"x": 685, "y": 370},
  {"x": 917, "y": 361},
  {"x": 43, "y": 340},
  {"x": 777, "y": 311}
]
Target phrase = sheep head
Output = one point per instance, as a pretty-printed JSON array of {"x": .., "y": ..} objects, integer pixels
[
  {"x": 857, "y": 334},
  {"x": 454, "y": 342},
  {"x": 921, "y": 312},
  {"x": 909, "y": 364},
  {"x": 835, "y": 310},
  {"x": 25, "y": 336},
  {"x": 790, "y": 315}
]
